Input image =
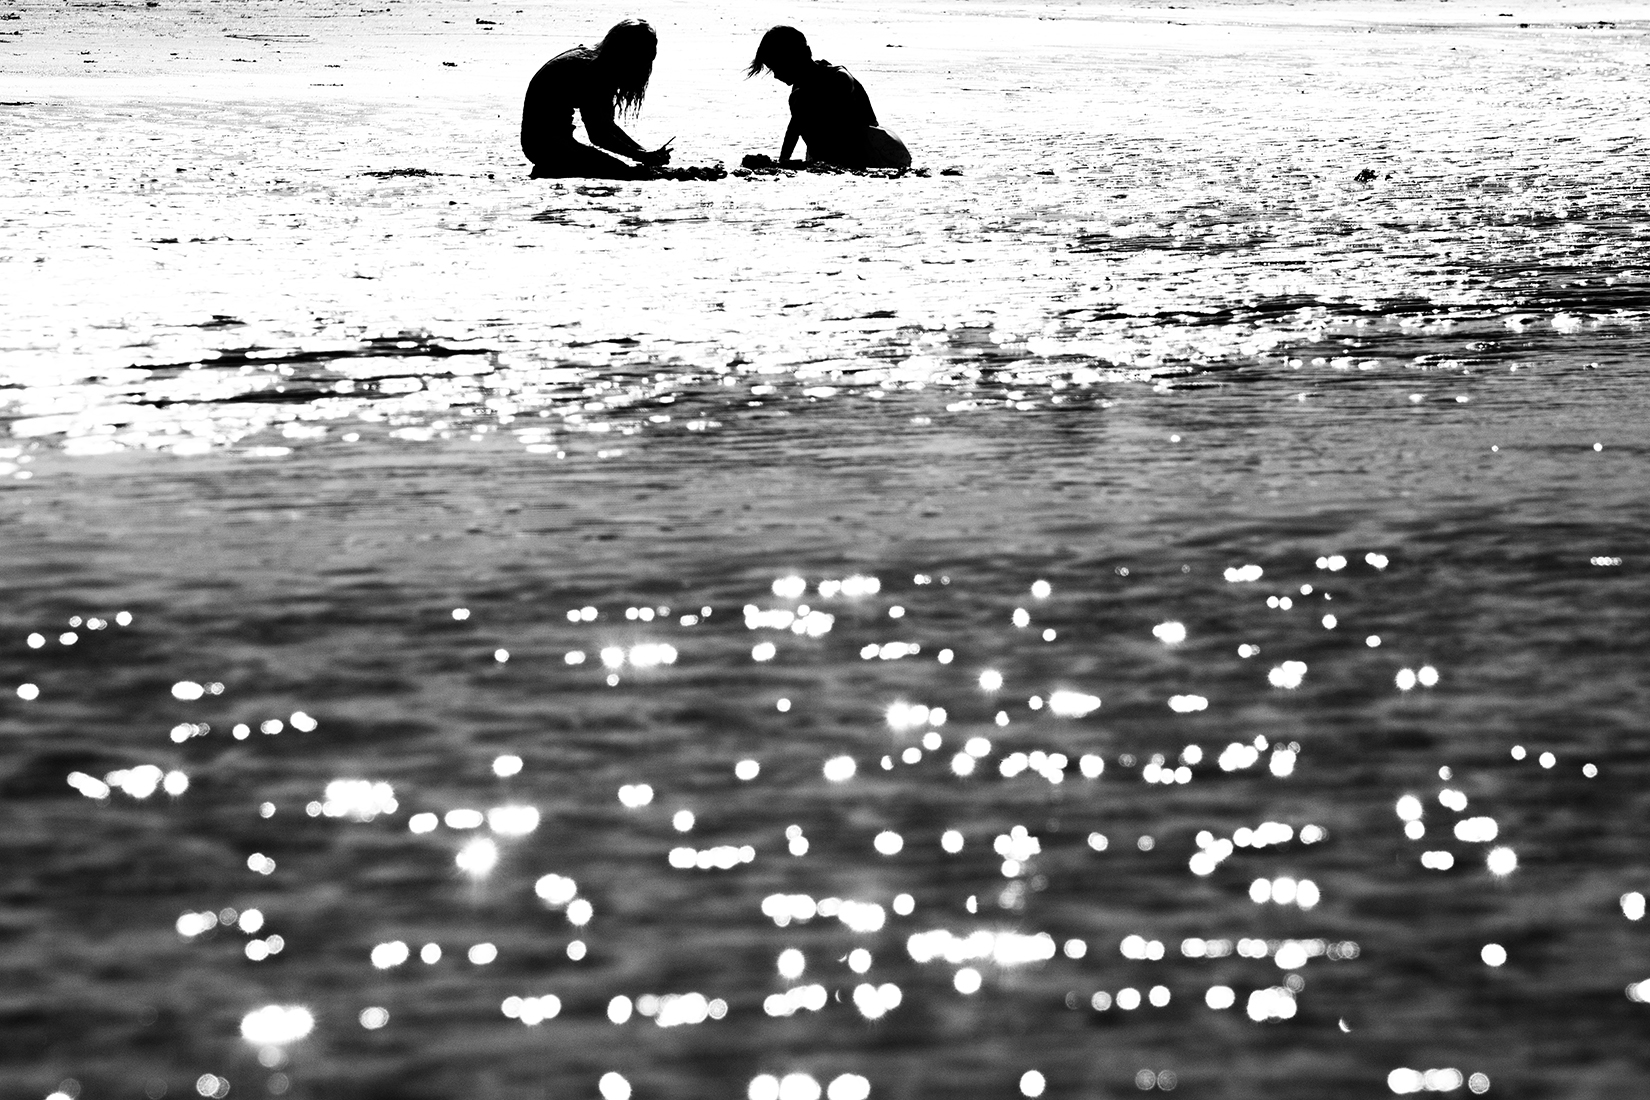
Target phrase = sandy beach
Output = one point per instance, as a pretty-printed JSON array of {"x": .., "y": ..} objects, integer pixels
[{"x": 1208, "y": 523}]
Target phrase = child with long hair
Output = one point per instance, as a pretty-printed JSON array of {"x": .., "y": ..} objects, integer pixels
[
  {"x": 610, "y": 79},
  {"x": 829, "y": 109}
]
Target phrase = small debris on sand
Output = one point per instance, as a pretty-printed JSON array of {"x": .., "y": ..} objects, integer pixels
[
  {"x": 757, "y": 164},
  {"x": 699, "y": 172}
]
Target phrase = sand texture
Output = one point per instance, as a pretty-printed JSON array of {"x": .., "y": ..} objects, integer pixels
[{"x": 1241, "y": 420}]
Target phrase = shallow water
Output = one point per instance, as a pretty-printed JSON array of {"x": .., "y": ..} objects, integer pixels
[{"x": 353, "y": 451}]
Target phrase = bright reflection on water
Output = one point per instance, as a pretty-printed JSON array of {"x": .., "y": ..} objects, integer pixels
[
  {"x": 973, "y": 893},
  {"x": 1155, "y": 611}
]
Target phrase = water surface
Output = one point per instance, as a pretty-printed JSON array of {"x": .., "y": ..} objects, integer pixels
[{"x": 1144, "y": 511}]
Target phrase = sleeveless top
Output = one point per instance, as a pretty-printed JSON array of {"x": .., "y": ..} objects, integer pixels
[
  {"x": 833, "y": 115},
  {"x": 563, "y": 85}
]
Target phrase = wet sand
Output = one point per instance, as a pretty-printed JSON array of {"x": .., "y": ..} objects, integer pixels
[{"x": 294, "y": 418}]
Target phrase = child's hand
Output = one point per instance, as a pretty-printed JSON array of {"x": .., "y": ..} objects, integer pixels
[{"x": 658, "y": 157}]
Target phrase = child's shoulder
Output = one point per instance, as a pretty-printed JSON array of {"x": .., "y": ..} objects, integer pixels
[
  {"x": 577, "y": 57},
  {"x": 827, "y": 80}
]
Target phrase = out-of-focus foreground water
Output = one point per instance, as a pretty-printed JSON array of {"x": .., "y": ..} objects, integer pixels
[{"x": 1153, "y": 611}]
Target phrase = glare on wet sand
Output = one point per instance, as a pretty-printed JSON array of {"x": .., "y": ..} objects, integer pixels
[{"x": 1155, "y": 609}]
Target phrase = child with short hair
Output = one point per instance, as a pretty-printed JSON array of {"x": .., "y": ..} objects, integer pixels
[{"x": 829, "y": 108}]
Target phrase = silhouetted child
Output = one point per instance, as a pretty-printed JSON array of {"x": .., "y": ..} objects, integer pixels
[
  {"x": 597, "y": 83},
  {"x": 829, "y": 109}
]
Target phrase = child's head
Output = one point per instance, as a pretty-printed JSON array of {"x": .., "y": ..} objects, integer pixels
[
  {"x": 626, "y": 53},
  {"x": 783, "y": 52}
]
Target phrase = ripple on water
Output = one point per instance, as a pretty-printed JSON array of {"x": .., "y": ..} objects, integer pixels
[{"x": 1157, "y": 608}]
